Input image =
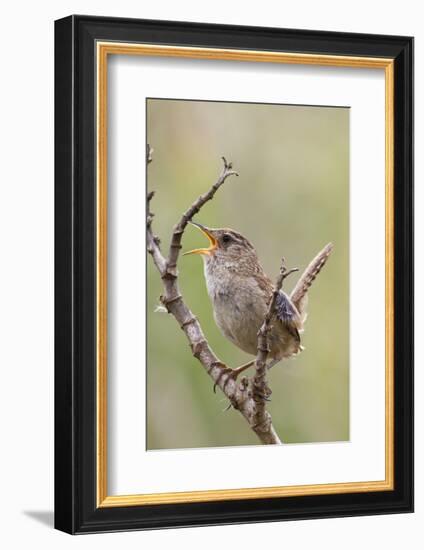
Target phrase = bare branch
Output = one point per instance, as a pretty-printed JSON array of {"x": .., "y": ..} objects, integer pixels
[
  {"x": 260, "y": 389},
  {"x": 175, "y": 246},
  {"x": 240, "y": 394},
  {"x": 152, "y": 241}
]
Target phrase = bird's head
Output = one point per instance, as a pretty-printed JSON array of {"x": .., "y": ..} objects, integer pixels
[{"x": 224, "y": 245}]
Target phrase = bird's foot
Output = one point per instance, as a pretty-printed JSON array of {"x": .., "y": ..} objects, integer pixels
[
  {"x": 263, "y": 396},
  {"x": 231, "y": 374},
  {"x": 228, "y": 373},
  {"x": 261, "y": 392}
]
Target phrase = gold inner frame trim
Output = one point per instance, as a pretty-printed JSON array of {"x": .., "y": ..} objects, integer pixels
[{"x": 104, "y": 49}]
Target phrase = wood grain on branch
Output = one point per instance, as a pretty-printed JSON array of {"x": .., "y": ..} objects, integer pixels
[{"x": 246, "y": 395}]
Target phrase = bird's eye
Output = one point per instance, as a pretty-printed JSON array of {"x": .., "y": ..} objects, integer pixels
[{"x": 226, "y": 238}]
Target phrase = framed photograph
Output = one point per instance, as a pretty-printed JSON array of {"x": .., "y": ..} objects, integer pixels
[{"x": 234, "y": 274}]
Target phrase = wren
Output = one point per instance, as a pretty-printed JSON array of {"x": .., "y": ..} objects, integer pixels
[{"x": 240, "y": 292}]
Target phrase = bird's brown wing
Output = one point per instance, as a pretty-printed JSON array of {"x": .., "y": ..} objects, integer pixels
[{"x": 287, "y": 314}]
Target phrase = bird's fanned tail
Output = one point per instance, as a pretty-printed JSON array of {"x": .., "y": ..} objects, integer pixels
[{"x": 299, "y": 294}]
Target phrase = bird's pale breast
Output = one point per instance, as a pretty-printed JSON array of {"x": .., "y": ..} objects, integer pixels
[{"x": 240, "y": 306}]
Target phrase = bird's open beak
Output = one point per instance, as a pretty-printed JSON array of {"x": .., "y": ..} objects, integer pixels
[{"x": 212, "y": 241}]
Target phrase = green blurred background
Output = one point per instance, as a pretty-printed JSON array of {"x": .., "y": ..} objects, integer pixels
[{"x": 291, "y": 198}]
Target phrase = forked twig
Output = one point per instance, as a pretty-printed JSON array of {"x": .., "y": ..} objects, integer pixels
[{"x": 260, "y": 388}]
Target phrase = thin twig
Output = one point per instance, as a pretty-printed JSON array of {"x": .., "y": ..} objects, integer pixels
[
  {"x": 239, "y": 394},
  {"x": 175, "y": 246},
  {"x": 260, "y": 388},
  {"x": 153, "y": 242}
]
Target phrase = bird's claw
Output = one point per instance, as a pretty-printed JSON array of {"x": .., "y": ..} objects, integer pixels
[{"x": 231, "y": 374}]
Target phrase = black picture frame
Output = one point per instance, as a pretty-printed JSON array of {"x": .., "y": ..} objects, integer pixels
[{"x": 76, "y": 510}]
